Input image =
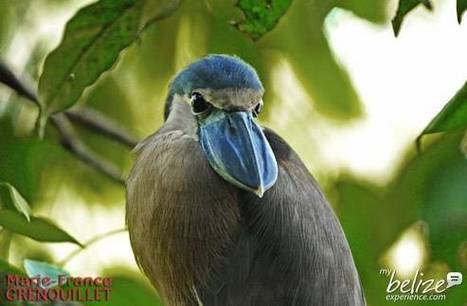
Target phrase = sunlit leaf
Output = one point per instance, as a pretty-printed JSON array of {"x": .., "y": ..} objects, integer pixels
[
  {"x": 375, "y": 11},
  {"x": 453, "y": 116},
  {"x": 261, "y": 16},
  {"x": 405, "y": 6},
  {"x": 91, "y": 44},
  {"x": 35, "y": 268},
  {"x": 306, "y": 47},
  {"x": 39, "y": 229},
  {"x": 16, "y": 199},
  {"x": 461, "y": 8},
  {"x": 8, "y": 268},
  {"x": 5, "y": 240}
]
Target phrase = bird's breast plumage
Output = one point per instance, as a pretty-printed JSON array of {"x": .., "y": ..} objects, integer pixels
[{"x": 178, "y": 235}]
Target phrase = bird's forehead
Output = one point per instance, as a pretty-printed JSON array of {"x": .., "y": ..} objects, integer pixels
[
  {"x": 232, "y": 98},
  {"x": 216, "y": 72},
  {"x": 225, "y": 81}
]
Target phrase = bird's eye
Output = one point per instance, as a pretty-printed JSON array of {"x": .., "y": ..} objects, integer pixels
[
  {"x": 257, "y": 109},
  {"x": 198, "y": 104}
]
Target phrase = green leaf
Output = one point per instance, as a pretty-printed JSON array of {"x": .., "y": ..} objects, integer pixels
[
  {"x": 16, "y": 199},
  {"x": 38, "y": 268},
  {"x": 452, "y": 117},
  {"x": 91, "y": 44},
  {"x": 366, "y": 215},
  {"x": 40, "y": 229},
  {"x": 22, "y": 160},
  {"x": 363, "y": 206},
  {"x": 261, "y": 16},
  {"x": 438, "y": 179},
  {"x": 429, "y": 186},
  {"x": 405, "y": 6},
  {"x": 128, "y": 291},
  {"x": 445, "y": 209},
  {"x": 461, "y": 8},
  {"x": 435, "y": 182}
]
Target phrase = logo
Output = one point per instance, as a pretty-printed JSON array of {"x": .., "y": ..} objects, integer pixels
[
  {"x": 419, "y": 288},
  {"x": 453, "y": 279},
  {"x": 62, "y": 288}
]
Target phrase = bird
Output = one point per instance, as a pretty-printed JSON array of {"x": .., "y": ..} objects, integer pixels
[{"x": 222, "y": 211}]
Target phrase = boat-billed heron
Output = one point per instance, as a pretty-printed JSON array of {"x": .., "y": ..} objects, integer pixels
[{"x": 221, "y": 211}]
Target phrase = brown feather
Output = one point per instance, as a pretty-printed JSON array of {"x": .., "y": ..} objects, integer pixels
[{"x": 181, "y": 216}]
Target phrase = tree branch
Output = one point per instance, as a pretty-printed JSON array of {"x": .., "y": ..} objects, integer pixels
[
  {"x": 11, "y": 80},
  {"x": 96, "y": 122},
  {"x": 71, "y": 143},
  {"x": 68, "y": 139}
]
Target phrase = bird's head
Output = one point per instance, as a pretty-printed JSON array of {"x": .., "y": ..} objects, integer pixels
[{"x": 225, "y": 95}]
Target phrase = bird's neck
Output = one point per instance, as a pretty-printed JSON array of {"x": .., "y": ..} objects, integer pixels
[{"x": 180, "y": 118}]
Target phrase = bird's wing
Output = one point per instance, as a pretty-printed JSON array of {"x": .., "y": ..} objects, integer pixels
[{"x": 292, "y": 250}]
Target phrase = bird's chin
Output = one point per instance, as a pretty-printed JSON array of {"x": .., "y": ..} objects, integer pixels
[{"x": 237, "y": 149}]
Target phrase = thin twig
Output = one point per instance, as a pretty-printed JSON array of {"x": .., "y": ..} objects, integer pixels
[
  {"x": 71, "y": 142},
  {"x": 100, "y": 124},
  {"x": 91, "y": 241},
  {"x": 10, "y": 79}
]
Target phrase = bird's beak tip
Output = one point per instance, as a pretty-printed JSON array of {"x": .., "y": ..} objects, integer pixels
[{"x": 260, "y": 191}]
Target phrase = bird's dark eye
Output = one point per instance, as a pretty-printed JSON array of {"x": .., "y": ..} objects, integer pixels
[
  {"x": 257, "y": 109},
  {"x": 198, "y": 104}
]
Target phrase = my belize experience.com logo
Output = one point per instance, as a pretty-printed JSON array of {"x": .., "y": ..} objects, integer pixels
[{"x": 418, "y": 288}]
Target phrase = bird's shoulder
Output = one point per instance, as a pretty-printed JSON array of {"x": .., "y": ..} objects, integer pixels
[
  {"x": 164, "y": 139},
  {"x": 173, "y": 157}
]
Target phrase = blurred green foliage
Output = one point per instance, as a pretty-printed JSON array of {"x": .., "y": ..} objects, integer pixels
[
  {"x": 431, "y": 187},
  {"x": 144, "y": 48}
]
